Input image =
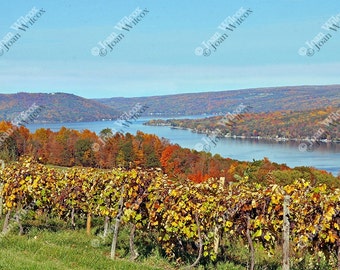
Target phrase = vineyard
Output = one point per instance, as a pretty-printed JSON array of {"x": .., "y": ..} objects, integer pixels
[{"x": 190, "y": 222}]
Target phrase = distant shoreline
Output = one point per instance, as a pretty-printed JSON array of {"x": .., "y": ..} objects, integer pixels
[{"x": 231, "y": 136}]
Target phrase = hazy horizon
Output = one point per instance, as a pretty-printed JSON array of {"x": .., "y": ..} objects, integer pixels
[{"x": 182, "y": 93}]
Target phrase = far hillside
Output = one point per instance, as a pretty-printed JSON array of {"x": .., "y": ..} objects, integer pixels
[
  {"x": 62, "y": 107},
  {"x": 58, "y": 107},
  {"x": 295, "y": 98}
]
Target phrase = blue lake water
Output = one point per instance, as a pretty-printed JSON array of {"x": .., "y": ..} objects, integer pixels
[{"x": 325, "y": 157}]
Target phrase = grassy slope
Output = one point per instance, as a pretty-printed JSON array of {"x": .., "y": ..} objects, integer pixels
[
  {"x": 63, "y": 250},
  {"x": 69, "y": 249}
]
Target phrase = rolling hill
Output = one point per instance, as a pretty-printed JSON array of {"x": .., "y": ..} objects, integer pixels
[
  {"x": 295, "y": 98},
  {"x": 62, "y": 107},
  {"x": 58, "y": 107}
]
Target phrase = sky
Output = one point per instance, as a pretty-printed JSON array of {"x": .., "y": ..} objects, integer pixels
[{"x": 167, "y": 47}]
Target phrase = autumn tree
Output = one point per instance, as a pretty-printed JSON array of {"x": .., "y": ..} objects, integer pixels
[{"x": 84, "y": 153}]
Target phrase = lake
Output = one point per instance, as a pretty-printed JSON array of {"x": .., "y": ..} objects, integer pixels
[{"x": 326, "y": 157}]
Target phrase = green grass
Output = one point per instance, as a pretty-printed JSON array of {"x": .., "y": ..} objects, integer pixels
[
  {"x": 69, "y": 249},
  {"x": 63, "y": 250},
  {"x": 42, "y": 249}
]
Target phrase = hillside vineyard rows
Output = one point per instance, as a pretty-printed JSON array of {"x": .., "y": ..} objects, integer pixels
[{"x": 182, "y": 217}]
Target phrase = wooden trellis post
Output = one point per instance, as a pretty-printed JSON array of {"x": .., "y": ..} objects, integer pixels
[
  {"x": 286, "y": 225},
  {"x": 217, "y": 236},
  {"x": 2, "y": 164}
]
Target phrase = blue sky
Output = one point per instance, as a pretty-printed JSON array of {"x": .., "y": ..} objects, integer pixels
[{"x": 157, "y": 56}]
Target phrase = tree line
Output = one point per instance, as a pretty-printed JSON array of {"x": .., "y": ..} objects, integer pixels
[{"x": 68, "y": 148}]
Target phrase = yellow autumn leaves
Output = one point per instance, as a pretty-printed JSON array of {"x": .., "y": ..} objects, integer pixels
[{"x": 170, "y": 209}]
